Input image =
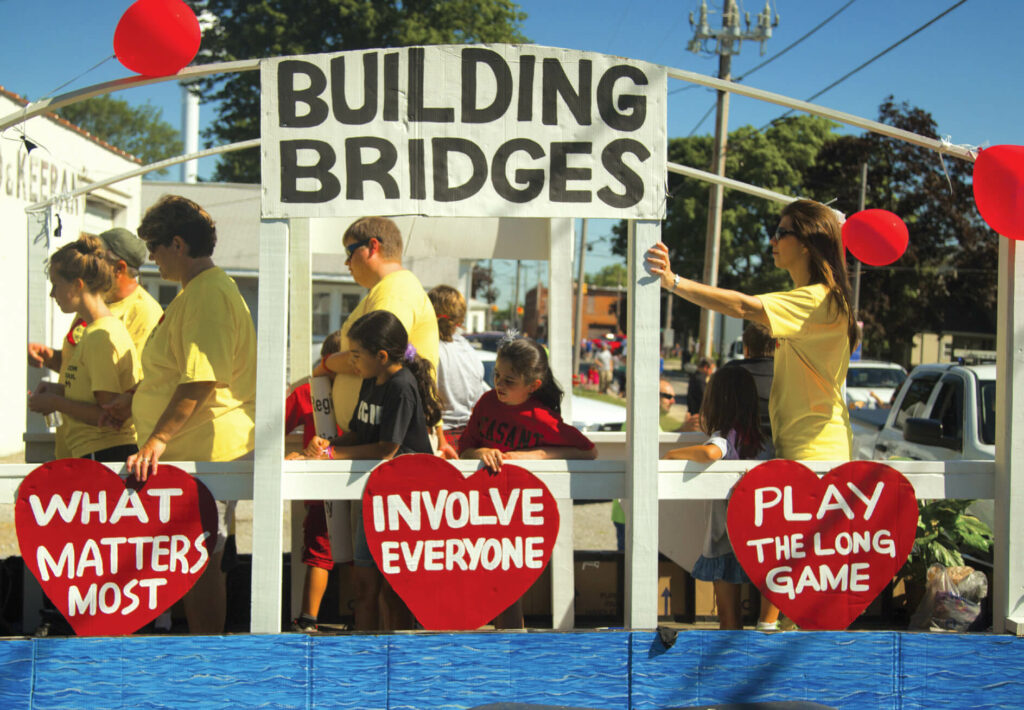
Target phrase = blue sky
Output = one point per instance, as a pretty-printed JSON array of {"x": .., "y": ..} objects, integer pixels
[{"x": 963, "y": 68}]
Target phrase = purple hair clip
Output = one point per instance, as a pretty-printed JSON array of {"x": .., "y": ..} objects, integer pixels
[{"x": 410, "y": 353}]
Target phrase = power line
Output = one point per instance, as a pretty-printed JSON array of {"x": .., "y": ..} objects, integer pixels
[
  {"x": 818, "y": 27},
  {"x": 874, "y": 58}
]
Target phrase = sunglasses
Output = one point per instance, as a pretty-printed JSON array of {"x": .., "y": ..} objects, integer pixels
[
  {"x": 352, "y": 248},
  {"x": 153, "y": 244},
  {"x": 781, "y": 233},
  {"x": 666, "y": 395}
]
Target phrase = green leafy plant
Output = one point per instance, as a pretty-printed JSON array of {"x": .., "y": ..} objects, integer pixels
[{"x": 944, "y": 529}]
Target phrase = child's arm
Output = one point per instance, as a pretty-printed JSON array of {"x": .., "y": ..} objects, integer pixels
[
  {"x": 444, "y": 449},
  {"x": 382, "y": 450},
  {"x": 48, "y": 402},
  {"x": 492, "y": 458},
  {"x": 554, "y": 452},
  {"x": 336, "y": 363},
  {"x": 701, "y": 453}
]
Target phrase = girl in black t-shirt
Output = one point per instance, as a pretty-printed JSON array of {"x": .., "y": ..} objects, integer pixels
[{"x": 398, "y": 401}]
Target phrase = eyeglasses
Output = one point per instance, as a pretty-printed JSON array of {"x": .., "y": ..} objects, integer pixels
[
  {"x": 666, "y": 395},
  {"x": 780, "y": 233},
  {"x": 352, "y": 248}
]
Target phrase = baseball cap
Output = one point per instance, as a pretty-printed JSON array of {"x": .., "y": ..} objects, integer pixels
[{"x": 125, "y": 245}]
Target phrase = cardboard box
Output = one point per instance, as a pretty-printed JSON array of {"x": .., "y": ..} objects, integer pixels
[
  {"x": 705, "y": 608},
  {"x": 674, "y": 592},
  {"x": 597, "y": 589}
]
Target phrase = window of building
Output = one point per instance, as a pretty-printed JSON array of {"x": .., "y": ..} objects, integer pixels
[{"x": 322, "y": 314}]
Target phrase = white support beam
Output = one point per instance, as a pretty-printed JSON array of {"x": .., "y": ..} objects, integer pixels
[
  {"x": 300, "y": 337},
  {"x": 1008, "y": 593},
  {"x": 272, "y": 333},
  {"x": 560, "y": 241},
  {"x": 641, "y": 505}
]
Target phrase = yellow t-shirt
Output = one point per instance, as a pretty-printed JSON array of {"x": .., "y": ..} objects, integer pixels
[
  {"x": 75, "y": 333},
  {"x": 140, "y": 313},
  {"x": 401, "y": 293},
  {"x": 206, "y": 335},
  {"x": 808, "y": 413},
  {"x": 104, "y": 360}
]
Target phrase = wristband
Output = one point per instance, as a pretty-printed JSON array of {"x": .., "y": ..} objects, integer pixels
[
  {"x": 675, "y": 282},
  {"x": 330, "y": 452}
]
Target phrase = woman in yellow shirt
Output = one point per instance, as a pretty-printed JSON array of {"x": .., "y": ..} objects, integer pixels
[
  {"x": 813, "y": 324},
  {"x": 815, "y": 328},
  {"x": 103, "y": 363}
]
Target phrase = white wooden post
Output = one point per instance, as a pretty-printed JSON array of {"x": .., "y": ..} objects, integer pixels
[
  {"x": 1008, "y": 593},
  {"x": 270, "y": 391},
  {"x": 300, "y": 338},
  {"x": 641, "y": 504},
  {"x": 38, "y": 248},
  {"x": 560, "y": 242}
]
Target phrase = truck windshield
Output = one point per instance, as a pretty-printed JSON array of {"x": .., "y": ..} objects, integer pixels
[
  {"x": 874, "y": 377},
  {"x": 987, "y": 411}
]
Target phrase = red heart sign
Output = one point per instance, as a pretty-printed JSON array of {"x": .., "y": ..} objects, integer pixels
[
  {"x": 112, "y": 555},
  {"x": 457, "y": 550},
  {"x": 822, "y": 549}
]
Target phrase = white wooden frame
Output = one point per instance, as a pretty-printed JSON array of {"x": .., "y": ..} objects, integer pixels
[{"x": 638, "y": 477}]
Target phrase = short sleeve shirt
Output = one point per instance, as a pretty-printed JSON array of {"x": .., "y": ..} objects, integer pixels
[
  {"x": 140, "y": 313},
  {"x": 402, "y": 294},
  {"x": 206, "y": 335},
  {"x": 104, "y": 360},
  {"x": 809, "y": 417},
  {"x": 392, "y": 412},
  {"x": 530, "y": 425}
]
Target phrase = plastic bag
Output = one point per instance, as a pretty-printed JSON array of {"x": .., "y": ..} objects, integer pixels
[{"x": 952, "y": 599}]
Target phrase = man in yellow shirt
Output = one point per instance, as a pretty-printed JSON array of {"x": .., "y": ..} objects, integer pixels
[
  {"x": 128, "y": 300},
  {"x": 374, "y": 248}
]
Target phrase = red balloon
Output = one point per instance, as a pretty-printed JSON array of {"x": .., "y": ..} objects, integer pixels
[
  {"x": 999, "y": 189},
  {"x": 876, "y": 237},
  {"x": 157, "y": 37}
]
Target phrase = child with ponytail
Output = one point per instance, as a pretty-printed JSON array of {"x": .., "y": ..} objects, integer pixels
[
  {"x": 521, "y": 419},
  {"x": 397, "y": 403}
]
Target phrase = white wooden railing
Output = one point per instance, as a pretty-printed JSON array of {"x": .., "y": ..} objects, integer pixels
[{"x": 568, "y": 481}]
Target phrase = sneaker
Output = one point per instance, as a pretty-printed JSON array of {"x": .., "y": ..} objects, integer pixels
[
  {"x": 767, "y": 626},
  {"x": 304, "y": 626}
]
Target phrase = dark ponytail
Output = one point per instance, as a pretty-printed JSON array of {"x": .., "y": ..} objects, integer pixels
[
  {"x": 381, "y": 330},
  {"x": 530, "y": 361}
]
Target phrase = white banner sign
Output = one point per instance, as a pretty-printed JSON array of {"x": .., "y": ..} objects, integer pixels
[{"x": 463, "y": 130}]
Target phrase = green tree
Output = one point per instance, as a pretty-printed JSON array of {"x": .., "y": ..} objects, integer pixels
[
  {"x": 947, "y": 274},
  {"x": 139, "y": 130},
  {"x": 248, "y": 29},
  {"x": 779, "y": 159},
  {"x": 610, "y": 275}
]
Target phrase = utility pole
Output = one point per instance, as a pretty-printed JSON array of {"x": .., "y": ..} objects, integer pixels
[
  {"x": 856, "y": 268},
  {"x": 517, "y": 322},
  {"x": 728, "y": 42},
  {"x": 580, "y": 295}
]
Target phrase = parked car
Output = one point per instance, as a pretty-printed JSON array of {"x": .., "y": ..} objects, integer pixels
[
  {"x": 941, "y": 412},
  {"x": 614, "y": 344},
  {"x": 587, "y": 414},
  {"x": 487, "y": 340},
  {"x": 871, "y": 384}
]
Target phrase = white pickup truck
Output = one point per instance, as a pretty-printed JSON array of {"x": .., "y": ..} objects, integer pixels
[{"x": 941, "y": 413}]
